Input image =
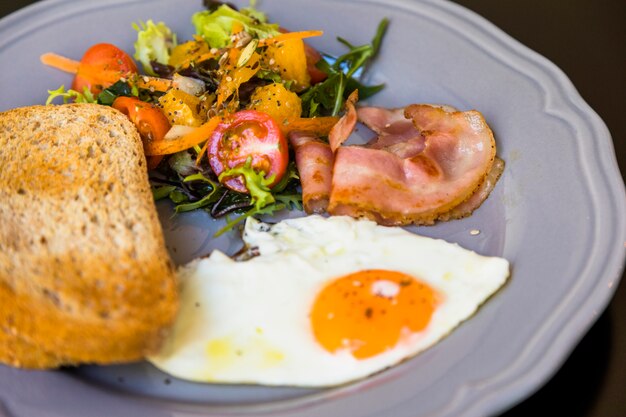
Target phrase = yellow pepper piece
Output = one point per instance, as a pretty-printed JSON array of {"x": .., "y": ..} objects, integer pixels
[
  {"x": 185, "y": 53},
  {"x": 289, "y": 60},
  {"x": 233, "y": 76},
  {"x": 181, "y": 108},
  {"x": 277, "y": 101}
]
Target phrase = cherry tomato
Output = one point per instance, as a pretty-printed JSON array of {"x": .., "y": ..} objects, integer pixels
[
  {"x": 312, "y": 57},
  {"x": 102, "y": 65},
  {"x": 248, "y": 134},
  {"x": 149, "y": 119}
]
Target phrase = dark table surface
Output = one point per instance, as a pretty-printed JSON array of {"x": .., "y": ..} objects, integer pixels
[{"x": 587, "y": 40}]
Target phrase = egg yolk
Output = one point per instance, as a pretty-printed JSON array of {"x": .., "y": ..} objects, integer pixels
[{"x": 368, "y": 311}]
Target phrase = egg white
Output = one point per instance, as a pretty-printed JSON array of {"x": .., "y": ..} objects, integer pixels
[{"x": 248, "y": 322}]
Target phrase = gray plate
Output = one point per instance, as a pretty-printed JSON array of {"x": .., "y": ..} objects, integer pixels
[{"x": 558, "y": 213}]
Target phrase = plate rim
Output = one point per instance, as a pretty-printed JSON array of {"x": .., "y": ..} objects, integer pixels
[{"x": 574, "y": 328}]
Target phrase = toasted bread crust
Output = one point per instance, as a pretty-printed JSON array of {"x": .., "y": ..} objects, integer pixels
[{"x": 84, "y": 274}]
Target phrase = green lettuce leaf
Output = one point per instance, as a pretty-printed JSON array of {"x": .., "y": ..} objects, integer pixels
[
  {"x": 256, "y": 183},
  {"x": 154, "y": 43},
  {"x": 216, "y": 27},
  {"x": 84, "y": 97}
]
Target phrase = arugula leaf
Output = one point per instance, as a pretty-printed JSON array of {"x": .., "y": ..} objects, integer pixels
[
  {"x": 178, "y": 197},
  {"x": 365, "y": 91},
  {"x": 290, "y": 174},
  {"x": 268, "y": 210},
  {"x": 159, "y": 193},
  {"x": 119, "y": 89},
  {"x": 200, "y": 177},
  {"x": 329, "y": 96},
  {"x": 204, "y": 201},
  {"x": 209, "y": 198},
  {"x": 85, "y": 97},
  {"x": 291, "y": 201},
  {"x": 326, "y": 95}
]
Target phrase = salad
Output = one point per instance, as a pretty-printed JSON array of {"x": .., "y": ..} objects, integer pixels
[{"x": 214, "y": 111}]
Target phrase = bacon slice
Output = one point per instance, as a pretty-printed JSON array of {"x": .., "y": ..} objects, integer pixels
[
  {"x": 397, "y": 185},
  {"x": 342, "y": 130},
  {"x": 396, "y": 133},
  {"x": 315, "y": 165},
  {"x": 387, "y": 121},
  {"x": 480, "y": 195}
]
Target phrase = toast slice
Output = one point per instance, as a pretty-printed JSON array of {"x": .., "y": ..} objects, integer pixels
[{"x": 84, "y": 273}]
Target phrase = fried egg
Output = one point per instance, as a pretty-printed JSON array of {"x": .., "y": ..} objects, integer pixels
[{"x": 325, "y": 302}]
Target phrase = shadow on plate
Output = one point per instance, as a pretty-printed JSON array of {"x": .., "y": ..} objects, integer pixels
[{"x": 574, "y": 389}]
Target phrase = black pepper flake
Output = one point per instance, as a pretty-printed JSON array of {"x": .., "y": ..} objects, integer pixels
[
  {"x": 278, "y": 103},
  {"x": 368, "y": 312}
]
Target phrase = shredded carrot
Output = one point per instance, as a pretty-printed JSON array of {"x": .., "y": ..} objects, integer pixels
[
  {"x": 166, "y": 147},
  {"x": 95, "y": 72},
  {"x": 320, "y": 126},
  {"x": 60, "y": 62},
  {"x": 202, "y": 152},
  {"x": 291, "y": 35},
  {"x": 153, "y": 83}
]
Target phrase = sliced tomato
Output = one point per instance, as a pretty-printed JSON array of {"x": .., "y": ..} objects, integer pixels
[
  {"x": 149, "y": 120},
  {"x": 102, "y": 65},
  {"x": 248, "y": 134}
]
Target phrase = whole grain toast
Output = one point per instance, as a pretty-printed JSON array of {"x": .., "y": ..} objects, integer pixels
[{"x": 84, "y": 273}]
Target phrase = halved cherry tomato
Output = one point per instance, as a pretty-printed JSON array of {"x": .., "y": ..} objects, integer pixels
[
  {"x": 102, "y": 65},
  {"x": 248, "y": 134},
  {"x": 149, "y": 120}
]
